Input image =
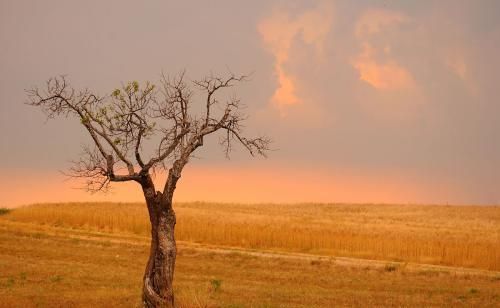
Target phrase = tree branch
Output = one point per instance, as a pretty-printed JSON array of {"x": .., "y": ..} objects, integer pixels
[{"x": 121, "y": 122}]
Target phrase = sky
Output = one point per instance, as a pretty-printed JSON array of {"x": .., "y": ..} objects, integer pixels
[{"x": 366, "y": 101}]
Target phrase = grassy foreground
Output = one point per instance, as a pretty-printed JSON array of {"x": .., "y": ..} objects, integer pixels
[
  {"x": 47, "y": 266},
  {"x": 267, "y": 255}
]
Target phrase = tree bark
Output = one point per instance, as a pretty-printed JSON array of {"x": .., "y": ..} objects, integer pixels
[{"x": 159, "y": 273}]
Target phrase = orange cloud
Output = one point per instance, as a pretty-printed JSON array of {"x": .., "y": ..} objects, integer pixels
[
  {"x": 278, "y": 32},
  {"x": 386, "y": 74},
  {"x": 456, "y": 63},
  {"x": 383, "y": 76},
  {"x": 374, "y": 21}
]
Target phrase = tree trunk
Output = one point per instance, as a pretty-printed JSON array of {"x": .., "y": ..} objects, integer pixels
[{"x": 158, "y": 277}]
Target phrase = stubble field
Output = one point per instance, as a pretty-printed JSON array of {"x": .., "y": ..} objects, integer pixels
[{"x": 237, "y": 255}]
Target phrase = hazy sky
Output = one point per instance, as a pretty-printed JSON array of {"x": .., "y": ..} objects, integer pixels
[{"x": 367, "y": 101}]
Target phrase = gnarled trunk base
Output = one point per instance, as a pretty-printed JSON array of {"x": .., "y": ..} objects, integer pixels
[{"x": 158, "y": 277}]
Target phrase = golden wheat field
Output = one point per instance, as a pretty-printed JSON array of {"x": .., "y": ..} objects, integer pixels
[
  {"x": 464, "y": 236},
  {"x": 93, "y": 255},
  {"x": 44, "y": 266}
]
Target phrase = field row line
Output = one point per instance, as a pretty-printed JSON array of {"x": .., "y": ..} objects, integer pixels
[{"x": 30, "y": 230}]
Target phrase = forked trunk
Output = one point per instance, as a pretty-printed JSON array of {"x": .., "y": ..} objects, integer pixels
[{"x": 159, "y": 274}]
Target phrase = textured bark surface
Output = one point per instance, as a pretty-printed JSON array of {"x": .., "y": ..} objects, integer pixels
[{"x": 159, "y": 273}]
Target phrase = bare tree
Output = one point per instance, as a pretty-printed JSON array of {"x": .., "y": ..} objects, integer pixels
[{"x": 120, "y": 123}]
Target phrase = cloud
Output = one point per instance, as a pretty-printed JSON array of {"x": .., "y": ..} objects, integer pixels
[
  {"x": 456, "y": 63},
  {"x": 374, "y": 63},
  {"x": 375, "y": 20},
  {"x": 278, "y": 32},
  {"x": 383, "y": 76}
]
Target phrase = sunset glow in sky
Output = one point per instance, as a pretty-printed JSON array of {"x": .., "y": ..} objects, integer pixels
[{"x": 366, "y": 101}]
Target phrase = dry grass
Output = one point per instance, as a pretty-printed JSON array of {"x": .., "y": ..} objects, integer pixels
[
  {"x": 44, "y": 266},
  {"x": 466, "y": 236}
]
